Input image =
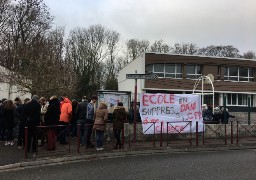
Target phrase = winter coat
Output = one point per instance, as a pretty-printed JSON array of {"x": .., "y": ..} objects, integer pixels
[
  {"x": 66, "y": 111},
  {"x": 43, "y": 111},
  {"x": 32, "y": 111},
  {"x": 9, "y": 118},
  {"x": 81, "y": 111},
  {"x": 1, "y": 113},
  {"x": 101, "y": 118},
  {"x": 52, "y": 114},
  {"x": 225, "y": 117},
  {"x": 207, "y": 115},
  {"x": 90, "y": 111},
  {"x": 119, "y": 117}
]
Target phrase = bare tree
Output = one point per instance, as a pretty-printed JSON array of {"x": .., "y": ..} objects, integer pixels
[
  {"x": 111, "y": 62},
  {"x": 160, "y": 46},
  {"x": 220, "y": 51},
  {"x": 23, "y": 41},
  {"x": 86, "y": 49},
  {"x": 184, "y": 48},
  {"x": 250, "y": 55},
  {"x": 135, "y": 47}
]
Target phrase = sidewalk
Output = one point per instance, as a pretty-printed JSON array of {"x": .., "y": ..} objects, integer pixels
[{"x": 11, "y": 157}]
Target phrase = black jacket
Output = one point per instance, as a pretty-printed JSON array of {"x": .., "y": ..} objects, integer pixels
[
  {"x": 81, "y": 110},
  {"x": 52, "y": 115},
  {"x": 32, "y": 112},
  {"x": 9, "y": 118}
]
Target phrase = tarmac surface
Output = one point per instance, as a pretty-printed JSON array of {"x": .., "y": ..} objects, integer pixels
[{"x": 12, "y": 158}]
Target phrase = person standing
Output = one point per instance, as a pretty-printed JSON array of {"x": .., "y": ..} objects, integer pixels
[
  {"x": 9, "y": 109},
  {"x": 89, "y": 121},
  {"x": 51, "y": 118},
  {"x": 74, "y": 118},
  {"x": 19, "y": 113},
  {"x": 119, "y": 118},
  {"x": 2, "y": 128},
  {"x": 81, "y": 119},
  {"x": 101, "y": 118},
  {"x": 44, "y": 106},
  {"x": 32, "y": 111},
  {"x": 224, "y": 117},
  {"x": 65, "y": 118}
]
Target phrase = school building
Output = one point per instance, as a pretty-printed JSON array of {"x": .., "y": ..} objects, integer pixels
[{"x": 233, "y": 78}]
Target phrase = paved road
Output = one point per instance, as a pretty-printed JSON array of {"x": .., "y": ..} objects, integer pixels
[{"x": 196, "y": 165}]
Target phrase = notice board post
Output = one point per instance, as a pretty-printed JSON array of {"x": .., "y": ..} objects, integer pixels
[{"x": 138, "y": 76}]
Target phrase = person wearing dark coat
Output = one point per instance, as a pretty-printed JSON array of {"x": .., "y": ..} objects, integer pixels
[
  {"x": 51, "y": 118},
  {"x": 73, "y": 121},
  {"x": 119, "y": 118},
  {"x": 81, "y": 112},
  {"x": 9, "y": 108},
  {"x": 32, "y": 111},
  {"x": 225, "y": 116},
  {"x": 19, "y": 114},
  {"x": 52, "y": 114},
  {"x": 208, "y": 115},
  {"x": 2, "y": 128}
]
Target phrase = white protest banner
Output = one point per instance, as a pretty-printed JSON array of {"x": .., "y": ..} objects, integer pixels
[{"x": 178, "y": 112}]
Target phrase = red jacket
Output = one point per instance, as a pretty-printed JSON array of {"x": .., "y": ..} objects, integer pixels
[{"x": 66, "y": 111}]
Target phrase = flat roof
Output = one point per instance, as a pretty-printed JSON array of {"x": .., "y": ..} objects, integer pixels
[{"x": 202, "y": 56}]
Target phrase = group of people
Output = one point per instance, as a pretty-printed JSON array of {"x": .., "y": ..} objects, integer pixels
[
  {"x": 41, "y": 113},
  {"x": 220, "y": 115}
]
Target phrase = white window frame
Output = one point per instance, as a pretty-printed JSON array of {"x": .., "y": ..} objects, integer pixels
[
  {"x": 244, "y": 99},
  {"x": 175, "y": 73},
  {"x": 238, "y": 75},
  {"x": 195, "y": 73},
  {"x": 164, "y": 72}
]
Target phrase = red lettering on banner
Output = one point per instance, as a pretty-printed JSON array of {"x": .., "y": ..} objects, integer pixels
[
  {"x": 144, "y": 100},
  {"x": 188, "y": 107},
  {"x": 172, "y": 99},
  {"x": 150, "y": 99},
  {"x": 157, "y": 99},
  {"x": 190, "y": 115}
]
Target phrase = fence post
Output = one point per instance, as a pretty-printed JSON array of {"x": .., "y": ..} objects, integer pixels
[
  {"x": 237, "y": 132},
  {"x": 167, "y": 132},
  {"x": 123, "y": 138},
  {"x": 196, "y": 133},
  {"x": 69, "y": 139},
  {"x": 225, "y": 134},
  {"x": 231, "y": 132},
  {"x": 129, "y": 135},
  {"x": 154, "y": 134},
  {"x": 203, "y": 132},
  {"x": 224, "y": 105},
  {"x": 161, "y": 135},
  {"x": 26, "y": 142},
  {"x": 249, "y": 111},
  {"x": 78, "y": 137}
]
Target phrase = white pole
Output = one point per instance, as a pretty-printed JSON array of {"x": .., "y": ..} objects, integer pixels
[{"x": 202, "y": 90}]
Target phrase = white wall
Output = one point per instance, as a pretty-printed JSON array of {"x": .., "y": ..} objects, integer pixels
[
  {"x": 9, "y": 91},
  {"x": 129, "y": 84}
]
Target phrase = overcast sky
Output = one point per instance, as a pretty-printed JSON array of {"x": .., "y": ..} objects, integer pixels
[{"x": 203, "y": 22}]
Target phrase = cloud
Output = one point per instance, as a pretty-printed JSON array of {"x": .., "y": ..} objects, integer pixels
[{"x": 204, "y": 22}]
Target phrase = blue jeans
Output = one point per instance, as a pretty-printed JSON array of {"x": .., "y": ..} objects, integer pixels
[
  {"x": 82, "y": 130},
  {"x": 99, "y": 138}
]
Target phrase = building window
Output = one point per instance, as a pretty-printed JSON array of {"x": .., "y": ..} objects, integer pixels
[
  {"x": 173, "y": 70},
  {"x": 193, "y": 71},
  {"x": 239, "y": 99},
  {"x": 165, "y": 70},
  {"x": 219, "y": 73},
  {"x": 149, "y": 68},
  {"x": 232, "y": 73},
  {"x": 159, "y": 70}
]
